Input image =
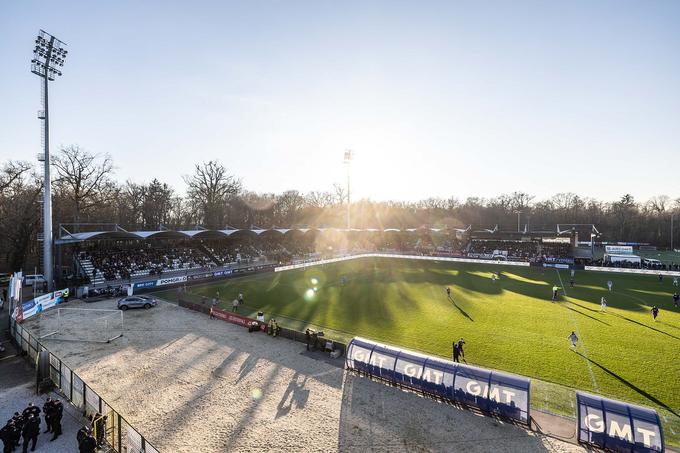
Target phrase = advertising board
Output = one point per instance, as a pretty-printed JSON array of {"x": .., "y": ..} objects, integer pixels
[
  {"x": 618, "y": 426},
  {"x": 233, "y": 318},
  {"x": 491, "y": 391}
]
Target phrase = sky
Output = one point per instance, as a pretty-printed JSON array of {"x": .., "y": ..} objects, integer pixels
[{"x": 436, "y": 99}]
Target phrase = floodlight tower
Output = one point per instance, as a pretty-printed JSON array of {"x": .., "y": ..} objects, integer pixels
[
  {"x": 349, "y": 154},
  {"x": 48, "y": 57}
]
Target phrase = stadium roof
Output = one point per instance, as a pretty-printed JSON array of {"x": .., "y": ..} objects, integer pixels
[{"x": 120, "y": 234}]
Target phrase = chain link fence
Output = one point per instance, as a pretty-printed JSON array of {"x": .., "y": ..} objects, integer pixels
[{"x": 115, "y": 431}]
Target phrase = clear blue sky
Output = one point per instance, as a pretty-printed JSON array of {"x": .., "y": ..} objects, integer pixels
[{"x": 436, "y": 98}]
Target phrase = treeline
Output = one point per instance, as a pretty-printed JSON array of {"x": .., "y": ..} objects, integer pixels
[{"x": 85, "y": 191}]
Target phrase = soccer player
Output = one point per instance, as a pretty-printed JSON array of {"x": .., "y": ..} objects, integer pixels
[
  {"x": 571, "y": 282},
  {"x": 456, "y": 351},
  {"x": 610, "y": 285},
  {"x": 573, "y": 339},
  {"x": 660, "y": 278},
  {"x": 655, "y": 312},
  {"x": 676, "y": 299},
  {"x": 554, "y": 294},
  {"x": 493, "y": 277},
  {"x": 603, "y": 305},
  {"x": 448, "y": 292},
  {"x": 675, "y": 282}
]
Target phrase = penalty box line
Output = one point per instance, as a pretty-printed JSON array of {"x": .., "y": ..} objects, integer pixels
[{"x": 578, "y": 334}]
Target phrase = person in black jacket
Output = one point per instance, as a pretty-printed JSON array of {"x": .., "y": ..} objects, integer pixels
[
  {"x": 87, "y": 444},
  {"x": 47, "y": 413},
  {"x": 31, "y": 410},
  {"x": 18, "y": 420},
  {"x": 7, "y": 437},
  {"x": 30, "y": 432},
  {"x": 57, "y": 413}
]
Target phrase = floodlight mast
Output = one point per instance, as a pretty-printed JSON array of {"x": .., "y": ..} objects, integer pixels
[
  {"x": 349, "y": 154},
  {"x": 48, "y": 56}
]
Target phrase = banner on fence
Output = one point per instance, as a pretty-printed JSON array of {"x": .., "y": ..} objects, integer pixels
[
  {"x": 38, "y": 305},
  {"x": 617, "y": 426},
  {"x": 171, "y": 280},
  {"x": 233, "y": 318}
]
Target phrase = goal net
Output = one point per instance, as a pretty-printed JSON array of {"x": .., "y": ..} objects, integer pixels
[{"x": 83, "y": 324}]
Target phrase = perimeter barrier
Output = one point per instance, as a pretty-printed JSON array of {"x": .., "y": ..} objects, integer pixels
[
  {"x": 616, "y": 426},
  {"x": 117, "y": 432},
  {"x": 488, "y": 390}
]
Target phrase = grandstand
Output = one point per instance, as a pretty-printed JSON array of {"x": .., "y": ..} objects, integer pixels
[{"x": 109, "y": 255}]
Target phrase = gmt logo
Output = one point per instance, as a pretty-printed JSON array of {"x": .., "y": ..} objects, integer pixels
[
  {"x": 622, "y": 431},
  {"x": 470, "y": 386}
]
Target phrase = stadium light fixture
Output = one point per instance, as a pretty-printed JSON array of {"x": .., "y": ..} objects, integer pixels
[
  {"x": 349, "y": 155},
  {"x": 672, "y": 218},
  {"x": 519, "y": 213},
  {"x": 48, "y": 56}
]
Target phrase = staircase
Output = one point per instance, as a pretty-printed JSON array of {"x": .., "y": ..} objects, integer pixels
[
  {"x": 88, "y": 269},
  {"x": 209, "y": 254}
]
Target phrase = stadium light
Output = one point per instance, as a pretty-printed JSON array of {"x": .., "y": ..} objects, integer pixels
[
  {"x": 48, "y": 56},
  {"x": 349, "y": 155},
  {"x": 672, "y": 218},
  {"x": 519, "y": 213}
]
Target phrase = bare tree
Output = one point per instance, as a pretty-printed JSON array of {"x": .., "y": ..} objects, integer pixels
[
  {"x": 11, "y": 172},
  {"x": 83, "y": 178},
  {"x": 210, "y": 189}
]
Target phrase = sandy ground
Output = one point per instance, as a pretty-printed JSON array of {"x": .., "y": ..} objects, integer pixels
[{"x": 190, "y": 384}]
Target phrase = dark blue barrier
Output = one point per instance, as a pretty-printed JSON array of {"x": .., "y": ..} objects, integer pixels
[
  {"x": 491, "y": 391},
  {"x": 618, "y": 426}
]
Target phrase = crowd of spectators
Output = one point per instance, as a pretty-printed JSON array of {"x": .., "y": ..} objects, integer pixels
[
  {"x": 114, "y": 264},
  {"x": 625, "y": 264},
  {"x": 519, "y": 250}
]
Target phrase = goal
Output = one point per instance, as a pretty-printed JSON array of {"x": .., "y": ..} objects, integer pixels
[{"x": 83, "y": 324}]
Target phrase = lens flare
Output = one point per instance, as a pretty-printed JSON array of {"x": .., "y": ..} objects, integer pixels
[
  {"x": 315, "y": 281},
  {"x": 309, "y": 294},
  {"x": 256, "y": 394}
]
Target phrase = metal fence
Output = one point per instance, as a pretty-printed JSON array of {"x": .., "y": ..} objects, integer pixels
[{"x": 119, "y": 434}]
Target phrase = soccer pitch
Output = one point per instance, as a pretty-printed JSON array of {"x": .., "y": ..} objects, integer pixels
[{"x": 511, "y": 324}]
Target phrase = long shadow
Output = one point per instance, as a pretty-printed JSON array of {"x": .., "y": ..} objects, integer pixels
[
  {"x": 584, "y": 307},
  {"x": 645, "y": 325},
  {"x": 669, "y": 325},
  {"x": 460, "y": 309},
  {"x": 586, "y": 315},
  {"x": 630, "y": 385}
]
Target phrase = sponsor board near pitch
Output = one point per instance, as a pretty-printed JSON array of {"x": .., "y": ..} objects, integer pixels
[
  {"x": 489, "y": 390},
  {"x": 617, "y": 426},
  {"x": 231, "y": 317},
  {"x": 146, "y": 284},
  {"x": 171, "y": 280}
]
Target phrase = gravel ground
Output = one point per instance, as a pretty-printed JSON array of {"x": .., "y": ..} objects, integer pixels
[{"x": 191, "y": 384}]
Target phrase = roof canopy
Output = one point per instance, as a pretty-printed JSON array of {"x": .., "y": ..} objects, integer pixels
[{"x": 216, "y": 234}]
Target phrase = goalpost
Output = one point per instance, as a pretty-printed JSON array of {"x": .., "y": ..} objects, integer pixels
[{"x": 84, "y": 324}]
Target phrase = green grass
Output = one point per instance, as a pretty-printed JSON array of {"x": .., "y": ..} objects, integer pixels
[{"x": 510, "y": 325}]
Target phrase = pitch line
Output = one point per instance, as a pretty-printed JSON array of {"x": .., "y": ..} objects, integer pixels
[{"x": 578, "y": 334}]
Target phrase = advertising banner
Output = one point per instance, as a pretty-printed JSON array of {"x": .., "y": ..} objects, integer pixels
[
  {"x": 146, "y": 284},
  {"x": 38, "y": 305},
  {"x": 617, "y": 426},
  {"x": 470, "y": 259},
  {"x": 171, "y": 280},
  {"x": 492, "y": 391},
  {"x": 231, "y": 317},
  {"x": 618, "y": 249}
]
